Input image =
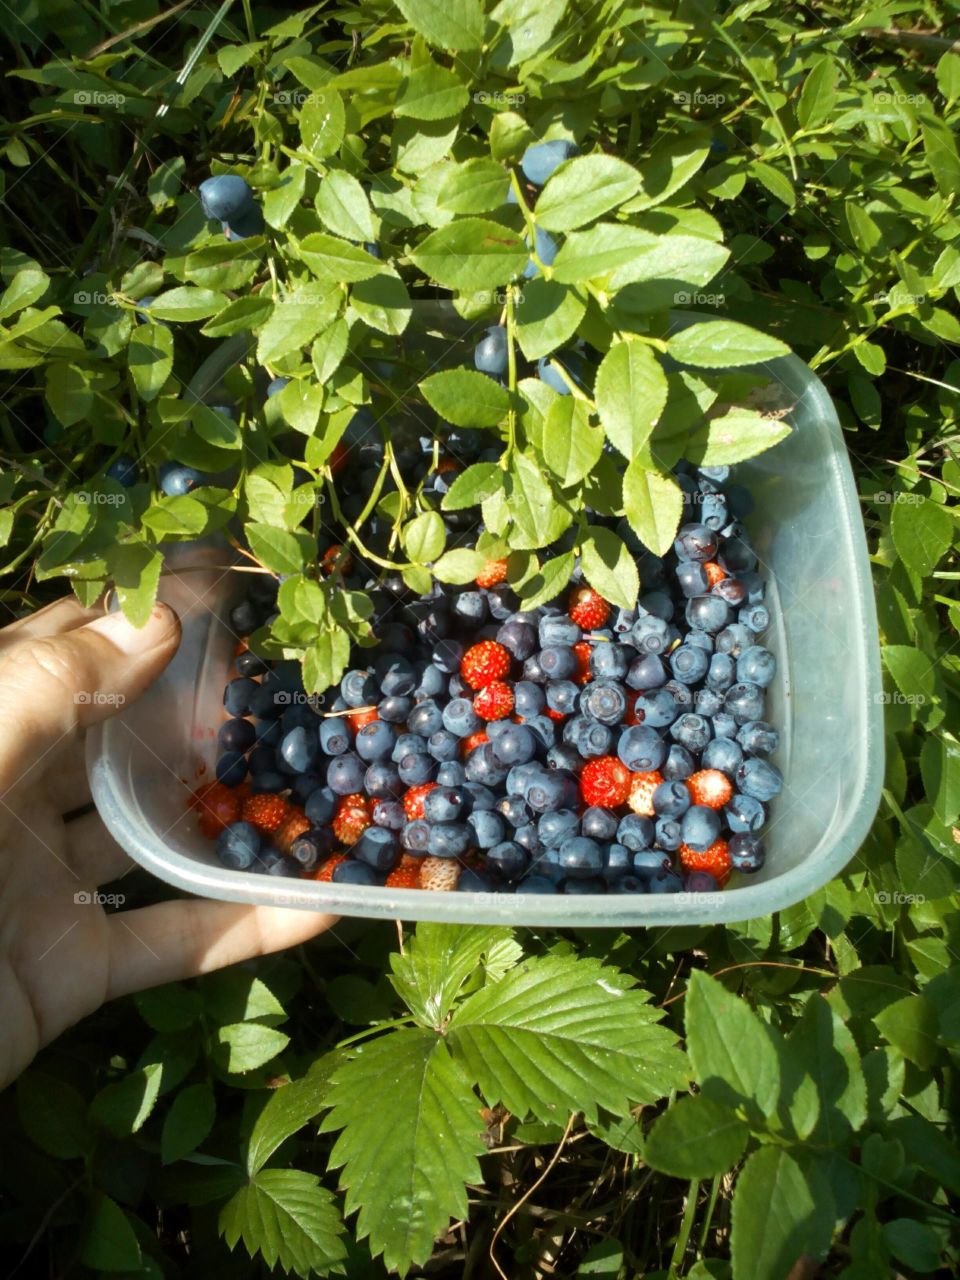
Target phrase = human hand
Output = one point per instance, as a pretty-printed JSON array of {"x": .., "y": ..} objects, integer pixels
[{"x": 61, "y": 954}]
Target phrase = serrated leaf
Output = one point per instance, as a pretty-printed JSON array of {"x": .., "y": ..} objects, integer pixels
[
  {"x": 609, "y": 567},
  {"x": 150, "y": 357},
  {"x": 383, "y": 303},
  {"x": 470, "y": 254},
  {"x": 910, "y": 1025},
  {"x": 549, "y": 580},
  {"x": 278, "y": 550},
  {"x": 437, "y": 962},
  {"x": 448, "y": 24},
  {"x": 653, "y": 505},
  {"x": 188, "y": 1122},
  {"x": 180, "y": 515},
  {"x": 734, "y": 437},
  {"x": 294, "y": 322},
  {"x": 123, "y": 1108},
  {"x": 530, "y": 504},
  {"x": 68, "y": 392},
  {"x": 243, "y": 1046},
  {"x": 820, "y": 1046},
  {"x": 408, "y": 1178},
  {"x": 322, "y": 122},
  {"x": 731, "y": 1050},
  {"x": 432, "y": 92},
  {"x": 287, "y": 1217},
  {"x": 326, "y": 660},
  {"x": 245, "y": 313},
  {"x": 300, "y": 404},
  {"x": 477, "y": 186},
  {"x": 559, "y": 1034},
  {"x": 676, "y": 257},
  {"x": 335, "y": 261},
  {"x": 471, "y": 486},
  {"x": 466, "y": 398},
  {"x": 187, "y": 303},
  {"x": 922, "y": 532},
  {"x": 631, "y": 391},
  {"x": 343, "y": 206},
  {"x": 695, "y": 1138},
  {"x": 779, "y": 1214},
  {"x": 590, "y": 255},
  {"x": 723, "y": 344},
  {"x": 459, "y": 566},
  {"x": 288, "y": 1109},
  {"x": 279, "y": 204},
  {"x": 547, "y": 317},
  {"x": 424, "y": 537},
  {"x": 329, "y": 349},
  {"x": 584, "y": 188},
  {"x": 819, "y": 93},
  {"x": 571, "y": 446}
]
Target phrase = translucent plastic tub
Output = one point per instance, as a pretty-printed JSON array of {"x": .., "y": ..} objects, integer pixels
[{"x": 809, "y": 536}]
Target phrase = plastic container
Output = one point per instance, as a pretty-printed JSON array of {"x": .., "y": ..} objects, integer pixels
[{"x": 809, "y": 535}]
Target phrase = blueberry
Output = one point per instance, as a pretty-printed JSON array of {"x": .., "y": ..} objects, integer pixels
[
  {"x": 379, "y": 847},
  {"x": 226, "y": 196},
  {"x": 691, "y": 731},
  {"x": 243, "y": 225},
  {"x": 549, "y": 374},
  {"x": 550, "y": 790},
  {"x": 692, "y": 578},
  {"x": 272, "y": 862},
  {"x": 345, "y": 774},
  {"x": 471, "y": 881},
  {"x": 519, "y": 638},
  {"x": 700, "y": 640},
  {"x": 713, "y": 511},
  {"x": 442, "y": 804},
  {"x": 407, "y": 744},
  {"x": 556, "y": 826},
  {"x": 262, "y": 759},
  {"x": 758, "y": 738},
  {"x": 375, "y": 741},
  {"x": 558, "y": 629},
  {"x": 123, "y": 469},
  {"x": 394, "y": 710},
  {"x": 299, "y": 749},
  {"x": 592, "y": 738},
  {"x": 415, "y": 836},
  {"x": 352, "y": 871},
  {"x": 648, "y": 862},
  {"x": 651, "y": 634},
  {"x": 476, "y": 797},
  {"x": 658, "y": 709},
  {"x": 609, "y": 661},
  {"x": 723, "y": 754},
  {"x": 721, "y": 672},
  {"x": 447, "y": 656},
  {"x": 276, "y": 386},
  {"x": 508, "y": 859},
  {"x": 732, "y": 590},
  {"x": 269, "y": 733},
  {"x": 605, "y": 701},
  {"x": 487, "y": 826},
  {"x": 580, "y": 857},
  {"x": 707, "y": 613},
  {"x": 647, "y": 672},
  {"x": 176, "y": 479},
  {"x": 756, "y": 665},
  {"x": 754, "y": 586},
  {"x": 541, "y": 159},
  {"x": 736, "y": 555},
  {"x": 623, "y": 621},
  {"x": 536, "y": 884},
  {"x": 460, "y": 718},
  {"x": 382, "y": 780},
  {"x": 734, "y": 639},
  {"x": 700, "y": 882},
  {"x": 515, "y": 810},
  {"x": 236, "y": 735},
  {"x": 502, "y": 601},
  {"x": 744, "y": 813},
  {"x": 490, "y": 354},
  {"x": 746, "y": 852},
  {"x": 443, "y": 745},
  {"x": 760, "y": 779},
  {"x": 665, "y": 882},
  {"x": 641, "y": 748},
  {"x": 471, "y": 606},
  {"x": 250, "y": 664},
  {"x": 321, "y": 805},
  {"x": 627, "y": 884},
  {"x": 451, "y": 774},
  {"x": 426, "y": 718},
  {"x": 744, "y": 702},
  {"x": 562, "y": 696},
  {"x": 618, "y": 862},
  {"x": 528, "y": 698},
  {"x": 695, "y": 542},
  {"x": 517, "y": 745},
  {"x": 671, "y": 799},
  {"x": 681, "y": 693},
  {"x": 432, "y": 682},
  {"x": 483, "y": 766},
  {"x": 334, "y": 735},
  {"x": 635, "y": 831},
  {"x": 395, "y": 675},
  {"x": 689, "y": 663},
  {"x": 532, "y": 671},
  {"x": 449, "y": 839},
  {"x": 668, "y": 833},
  {"x": 231, "y": 768},
  {"x": 543, "y": 729},
  {"x": 389, "y": 813},
  {"x": 699, "y": 826},
  {"x": 707, "y": 702},
  {"x": 724, "y": 725},
  {"x": 558, "y": 662},
  {"x": 359, "y": 688},
  {"x": 307, "y": 849},
  {"x": 546, "y": 250},
  {"x": 598, "y": 823},
  {"x": 589, "y": 884},
  {"x": 566, "y": 757},
  {"x": 238, "y": 846},
  {"x": 416, "y": 768}
]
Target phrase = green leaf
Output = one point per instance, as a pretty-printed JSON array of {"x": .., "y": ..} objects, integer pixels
[
  {"x": 675, "y": 258},
  {"x": 336, "y": 261},
  {"x": 731, "y": 1051},
  {"x": 922, "y": 532},
  {"x": 407, "y": 1178},
  {"x": 821, "y": 1048},
  {"x": 288, "y": 1109},
  {"x": 27, "y": 287},
  {"x": 779, "y": 1214},
  {"x": 910, "y": 1025},
  {"x": 558, "y": 1034},
  {"x": 230, "y": 264},
  {"x": 109, "y": 1242},
  {"x": 547, "y": 317},
  {"x": 287, "y": 1217},
  {"x": 609, "y": 567},
  {"x": 593, "y": 254},
  {"x": 68, "y": 392},
  {"x": 477, "y": 186},
  {"x": 135, "y": 570},
  {"x": 913, "y": 673},
  {"x": 245, "y": 313},
  {"x": 448, "y": 24},
  {"x": 547, "y": 583},
  {"x": 735, "y": 436},
  {"x": 294, "y": 322},
  {"x": 819, "y": 93},
  {"x": 243, "y": 1046},
  {"x": 631, "y": 391},
  {"x": 322, "y": 122},
  {"x": 187, "y": 303},
  {"x": 279, "y": 204},
  {"x": 343, "y": 206},
  {"x": 53, "y": 1115},
  {"x": 460, "y": 566},
  {"x": 424, "y": 537},
  {"x": 916, "y": 1244},
  {"x": 471, "y": 254},
  {"x": 215, "y": 427},
  {"x": 329, "y": 349},
  {"x": 383, "y": 303},
  {"x": 653, "y": 505},
  {"x": 182, "y": 515},
  {"x": 584, "y": 188},
  {"x": 723, "y": 344},
  {"x": 300, "y": 403},
  {"x": 326, "y": 660},
  {"x": 466, "y": 398},
  {"x": 123, "y": 1108},
  {"x": 236, "y": 995},
  {"x": 432, "y": 92},
  {"x": 278, "y": 550},
  {"x": 439, "y": 960},
  {"x": 571, "y": 446},
  {"x": 695, "y": 1138},
  {"x": 530, "y": 503},
  {"x": 188, "y": 1122},
  {"x": 471, "y": 486}
]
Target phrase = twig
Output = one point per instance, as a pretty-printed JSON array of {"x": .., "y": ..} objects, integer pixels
[
  {"x": 924, "y": 40},
  {"x": 527, "y": 1194},
  {"x": 137, "y": 29}
]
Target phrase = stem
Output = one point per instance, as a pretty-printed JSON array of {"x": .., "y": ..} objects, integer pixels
[
  {"x": 372, "y": 1031},
  {"x": 686, "y": 1226},
  {"x": 711, "y": 1205},
  {"x": 511, "y": 380}
]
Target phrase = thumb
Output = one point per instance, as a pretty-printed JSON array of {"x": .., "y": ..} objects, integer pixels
[{"x": 53, "y": 686}]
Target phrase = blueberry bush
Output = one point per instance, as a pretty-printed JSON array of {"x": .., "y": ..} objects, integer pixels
[{"x": 287, "y": 364}]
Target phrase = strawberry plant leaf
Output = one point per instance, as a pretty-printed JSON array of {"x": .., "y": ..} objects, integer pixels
[
  {"x": 438, "y": 961},
  {"x": 288, "y": 1109},
  {"x": 287, "y": 1217}
]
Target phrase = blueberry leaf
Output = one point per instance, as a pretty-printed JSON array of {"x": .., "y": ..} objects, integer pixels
[
  {"x": 187, "y": 303},
  {"x": 448, "y": 24},
  {"x": 335, "y": 261},
  {"x": 584, "y": 188},
  {"x": 735, "y": 436},
  {"x": 547, "y": 317},
  {"x": 723, "y": 344},
  {"x": 150, "y": 358},
  {"x": 244, "y": 313},
  {"x": 571, "y": 446},
  {"x": 322, "y": 122},
  {"x": 653, "y": 505},
  {"x": 278, "y": 550},
  {"x": 631, "y": 391},
  {"x": 329, "y": 349},
  {"x": 471, "y": 486},
  {"x": 471, "y": 254},
  {"x": 433, "y": 92},
  {"x": 537, "y": 517},
  {"x": 300, "y": 403},
  {"x": 426, "y": 1155},
  {"x": 287, "y": 1217},
  {"x": 279, "y": 204},
  {"x": 466, "y": 398},
  {"x": 383, "y": 303},
  {"x": 695, "y": 1138},
  {"x": 476, "y": 186},
  {"x": 690, "y": 259},
  {"x": 547, "y": 583},
  {"x": 424, "y": 537},
  {"x": 343, "y": 206},
  {"x": 609, "y": 567},
  {"x": 188, "y": 1122},
  {"x": 593, "y": 254},
  {"x": 460, "y": 566},
  {"x": 295, "y": 321},
  {"x": 135, "y": 570}
]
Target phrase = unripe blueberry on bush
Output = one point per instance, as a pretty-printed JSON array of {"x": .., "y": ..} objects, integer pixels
[
  {"x": 543, "y": 158},
  {"x": 226, "y": 197},
  {"x": 490, "y": 355}
]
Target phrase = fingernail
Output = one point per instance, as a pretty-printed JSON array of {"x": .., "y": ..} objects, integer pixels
[{"x": 128, "y": 638}]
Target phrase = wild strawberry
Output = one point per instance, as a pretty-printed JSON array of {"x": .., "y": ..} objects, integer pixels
[
  {"x": 483, "y": 663},
  {"x": 582, "y": 650},
  {"x": 266, "y": 812},
  {"x": 471, "y": 742},
  {"x": 351, "y": 819},
  {"x": 553, "y": 714},
  {"x": 587, "y": 608},
  {"x": 218, "y": 806},
  {"x": 405, "y": 875},
  {"x": 714, "y": 573},
  {"x": 716, "y": 860},
  {"x": 492, "y": 574},
  {"x": 710, "y": 787},
  {"x": 494, "y": 701},
  {"x": 642, "y": 787},
  {"x": 413, "y": 800},
  {"x": 333, "y": 560},
  {"x": 326, "y": 869},
  {"x": 633, "y": 716},
  {"x": 338, "y": 458},
  {"x": 605, "y": 781},
  {"x": 357, "y": 719},
  {"x": 295, "y": 824},
  {"x": 439, "y": 873}
]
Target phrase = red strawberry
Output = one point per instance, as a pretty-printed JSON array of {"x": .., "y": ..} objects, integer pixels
[
  {"x": 406, "y": 874},
  {"x": 587, "y": 608},
  {"x": 439, "y": 873},
  {"x": 266, "y": 812},
  {"x": 494, "y": 701},
  {"x": 716, "y": 860},
  {"x": 492, "y": 574},
  {"x": 219, "y": 805},
  {"x": 338, "y": 458},
  {"x": 633, "y": 716},
  {"x": 483, "y": 663},
  {"x": 471, "y": 743},
  {"x": 331, "y": 560},
  {"x": 642, "y": 787},
  {"x": 714, "y": 573},
  {"x": 295, "y": 824},
  {"x": 710, "y": 787},
  {"x": 552, "y": 714},
  {"x": 413, "y": 800},
  {"x": 357, "y": 719},
  {"x": 326, "y": 869},
  {"x": 351, "y": 819},
  {"x": 582, "y": 649},
  {"x": 605, "y": 781}
]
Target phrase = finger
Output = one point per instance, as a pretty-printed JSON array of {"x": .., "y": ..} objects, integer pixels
[
  {"x": 54, "y": 619},
  {"x": 66, "y": 782},
  {"x": 92, "y": 851},
  {"x": 51, "y": 686},
  {"x": 173, "y": 940}
]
